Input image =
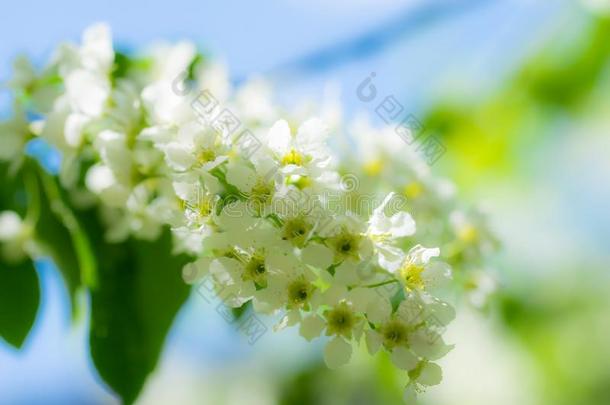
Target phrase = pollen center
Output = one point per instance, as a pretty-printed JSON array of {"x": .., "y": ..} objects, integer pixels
[
  {"x": 412, "y": 276},
  {"x": 296, "y": 230},
  {"x": 293, "y": 158},
  {"x": 299, "y": 292},
  {"x": 255, "y": 270},
  {"x": 340, "y": 320},
  {"x": 345, "y": 245},
  {"x": 394, "y": 333},
  {"x": 205, "y": 156}
]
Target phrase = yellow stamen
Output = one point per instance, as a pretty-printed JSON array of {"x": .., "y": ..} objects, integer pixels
[
  {"x": 412, "y": 276},
  {"x": 293, "y": 158},
  {"x": 205, "y": 156}
]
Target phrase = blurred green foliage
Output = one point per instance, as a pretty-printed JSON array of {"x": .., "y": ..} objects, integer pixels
[
  {"x": 489, "y": 137},
  {"x": 564, "y": 325},
  {"x": 377, "y": 383}
]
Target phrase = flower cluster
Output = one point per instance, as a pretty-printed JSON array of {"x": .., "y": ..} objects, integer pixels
[
  {"x": 461, "y": 232},
  {"x": 254, "y": 192}
]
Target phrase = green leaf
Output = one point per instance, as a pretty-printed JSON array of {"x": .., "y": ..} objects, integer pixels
[
  {"x": 19, "y": 288},
  {"x": 62, "y": 234},
  {"x": 57, "y": 233},
  {"x": 54, "y": 240},
  {"x": 19, "y": 299},
  {"x": 12, "y": 190},
  {"x": 138, "y": 294}
]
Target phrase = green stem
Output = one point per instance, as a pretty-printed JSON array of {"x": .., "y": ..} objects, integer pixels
[
  {"x": 32, "y": 191},
  {"x": 381, "y": 283}
]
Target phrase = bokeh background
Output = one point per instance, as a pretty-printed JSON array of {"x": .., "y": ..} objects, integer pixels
[{"x": 518, "y": 90}]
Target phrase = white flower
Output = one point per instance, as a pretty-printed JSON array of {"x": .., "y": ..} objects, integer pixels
[
  {"x": 393, "y": 333},
  {"x": 417, "y": 271},
  {"x": 426, "y": 374},
  {"x": 344, "y": 314},
  {"x": 11, "y": 226},
  {"x": 384, "y": 230},
  {"x": 313, "y": 254},
  {"x": 100, "y": 179},
  {"x": 190, "y": 241},
  {"x": 97, "y": 52},
  {"x": 267, "y": 227},
  {"x": 124, "y": 111},
  {"x": 87, "y": 92},
  {"x": 115, "y": 154},
  {"x": 247, "y": 261},
  {"x": 194, "y": 146},
  {"x": 254, "y": 185},
  {"x": 14, "y": 236},
  {"x": 302, "y": 157},
  {"x": 163, "y": 105},
  {"x": 235, "y": 218},
  {"x": 410, "y": 333},
  {"x": 337, "y": 352},
  {"x": 199, "y": 195},
  {"x": 13, "y": 135},
  {"x": 346, "y": 238},
  {"x": 74, "y": 129},
  {"x": 396, "y": 226},
  {"x": 86, "y": 71},
  {"x": 311, "y": 326},
  {"x": 292, "y": 287}
]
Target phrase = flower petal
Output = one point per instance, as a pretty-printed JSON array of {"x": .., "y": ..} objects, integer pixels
[
  {"x": 436, "y": 274},
  {"x": 443, "y": 312},
  {"x": 379, "y": 310},
  {"x": 178, "y": 156},
  {"x": 422, "y": 255},
  {"x": 431, "y": 374},
  {"x": 279, "y": 138},
  {"x": 402, "y": 224},
  {"x": 311, "y": 327},
  {"x": 312, "y": 133},
  {"x": 337, "y": 353},
  {"x": 87, "y": 92},
  {"x": 334, "y": 294},
  {"x": 410, "y": 395},
  {"x": 403, "y": 358},
  {"x": 241, "y": 177},
  {"x": 346, "y": 273},
  {"x": 10, "y": 225},
  {"x": 192, "y": 272},
  {"x": 429, "y": 344},
  {"x": 317, "y": 255},
  {"x": 373, "y": 341}
]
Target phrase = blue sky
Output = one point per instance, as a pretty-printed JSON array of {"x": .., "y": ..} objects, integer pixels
[{"x": 477, "y": 41}]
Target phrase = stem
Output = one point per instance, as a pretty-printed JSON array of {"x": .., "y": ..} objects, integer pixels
[
  {"x": 381, "y": 283},
  {"x": 33, "y": 193}
]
